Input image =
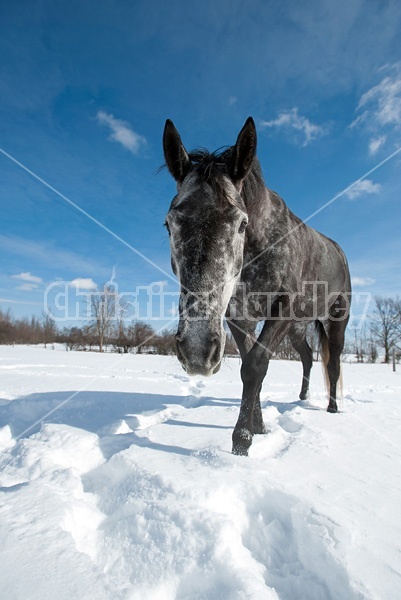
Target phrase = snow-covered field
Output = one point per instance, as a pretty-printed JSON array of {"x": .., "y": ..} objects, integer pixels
[{"x": 118, "y": 483}]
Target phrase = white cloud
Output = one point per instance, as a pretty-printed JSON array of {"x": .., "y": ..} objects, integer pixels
[
  {"x": 383, "y": 101},
  {"x": 232, "y": 100},
  {"x": 121, "y": 132},
  {"x": 292, "y": 120},
  {"x": 362, "y": 281},
  {"x": 31, "y": 282},
  {"x": 81, "y": 283},
  {"x": 379, "y": 109},
  {"x": 376, "y": 143},
  {"x": 26, "y": 302},
  {"x": 366, "y": 186},
  {"x": 27, "y": 287},
  {"x": 27, "y": 277}
]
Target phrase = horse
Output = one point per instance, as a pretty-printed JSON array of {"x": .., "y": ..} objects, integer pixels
[{"x": 241, "y": 254}]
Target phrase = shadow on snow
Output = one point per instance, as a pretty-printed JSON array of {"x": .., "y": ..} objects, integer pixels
[{"x": 102, "y": 412}]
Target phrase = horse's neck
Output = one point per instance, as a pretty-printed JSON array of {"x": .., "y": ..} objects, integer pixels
[{"x": 269, "y": 217}]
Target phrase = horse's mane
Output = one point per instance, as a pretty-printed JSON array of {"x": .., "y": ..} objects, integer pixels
[{"x": 212, "y": 167}]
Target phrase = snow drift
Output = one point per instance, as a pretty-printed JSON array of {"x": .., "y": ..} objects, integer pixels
[{"x": 117, "y": 482}]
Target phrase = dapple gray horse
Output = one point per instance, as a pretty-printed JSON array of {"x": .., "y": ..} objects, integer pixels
[{"x": 240, "y": 253}]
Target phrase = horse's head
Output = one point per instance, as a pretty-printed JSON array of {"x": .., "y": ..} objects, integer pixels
[{"x": 206, "y": 223}]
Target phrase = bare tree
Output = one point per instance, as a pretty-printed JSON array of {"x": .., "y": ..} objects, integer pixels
[
  {"x": 285, "y": 350},
  {"x": 74, "y": 338},
  {"x": 141, "y": 335},
  {"x": 28, "y": 331},
  {"x": 7, "y": 327},
  {"x": 49, "y": 329},
  {"x": 103, "y": 311},
  {"x": 385, "y": 325},
  {"x": 122, "y": 340},
  {"x": 89, "y": 336},
  {"x": 372, "y": 353},
  {"x": 164, "y": 342},
  {"x": 359, "y": 345}
]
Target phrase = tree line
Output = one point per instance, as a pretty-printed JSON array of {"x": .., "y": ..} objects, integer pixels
[
  {"x": 380, "y": 331},
  {"x": 119, "y": 337},
  {"x": 111, "y": 328},
  {"x": 101, "y": 334},
  {"x": 383, "y": 331}
]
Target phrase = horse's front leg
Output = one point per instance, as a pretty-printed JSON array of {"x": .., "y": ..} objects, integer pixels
[
  {"x": 244, "y": 335},
  {"x": 253, "y": 371},
  {"x": 258, "y": 425}
]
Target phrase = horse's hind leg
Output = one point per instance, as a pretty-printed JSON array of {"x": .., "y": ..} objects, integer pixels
[
  {"x": 333, "y": 370},
  {"x": 297, "y": 335},
  {"x": 336, "y": 334}
]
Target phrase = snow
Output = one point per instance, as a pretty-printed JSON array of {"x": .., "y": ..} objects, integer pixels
[{"x": 118, "y": 482}]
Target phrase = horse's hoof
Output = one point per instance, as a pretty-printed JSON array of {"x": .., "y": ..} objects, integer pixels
[
  {"x": 332, "y": 409},
  {"x": 242, "y": 440},
  {"x": 303, "y": 396},
  {"x": 239, "y": 450}
]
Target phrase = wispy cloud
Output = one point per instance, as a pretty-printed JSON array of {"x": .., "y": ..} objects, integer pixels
[
  {"x": 82, "y": 283},
  {"x": 121, "y": 132},
  {"x": 365, "y": 186},
  {"x": 291, "y": 120},
  {"x": 27, "y": 287},
  {"x": 31, "y": 282},
  {"x": 27, "y": 277},
  {"x": 379, "y": 109},
  {"x": 376, "y": 143},
  {"x": 362, "y": 281},
  {"x": 24, "y": 302},
  {"x": 46, "y": 254},
  {"x": 383, "y": 101}
]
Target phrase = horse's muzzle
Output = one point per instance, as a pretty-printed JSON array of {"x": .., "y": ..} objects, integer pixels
[{"x": 199, "y": 357}]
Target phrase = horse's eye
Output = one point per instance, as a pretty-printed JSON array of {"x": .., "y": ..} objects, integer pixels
[
  {"x": 243, "y": 225},
  {"x": 167, "y": 227}
]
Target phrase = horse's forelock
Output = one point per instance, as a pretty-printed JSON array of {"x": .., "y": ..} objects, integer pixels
[{"x": 211, "y": 168}]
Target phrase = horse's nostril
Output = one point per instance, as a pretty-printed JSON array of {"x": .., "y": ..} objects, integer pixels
[{"x": 214, "y": 354}]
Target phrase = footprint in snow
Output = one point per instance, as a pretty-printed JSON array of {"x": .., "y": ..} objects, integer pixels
[{"x": 295, "y": 545}]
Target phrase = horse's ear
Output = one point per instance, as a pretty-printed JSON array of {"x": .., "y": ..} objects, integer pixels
[
  {"x": 177, "y": 159},
  {"x": 244, "y": 152}
]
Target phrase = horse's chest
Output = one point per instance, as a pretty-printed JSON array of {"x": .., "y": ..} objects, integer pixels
[{"x": 252, "y": 302}]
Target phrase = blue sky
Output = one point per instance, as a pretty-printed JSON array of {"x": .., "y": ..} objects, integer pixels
[{"x": 85, "y": 89}]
